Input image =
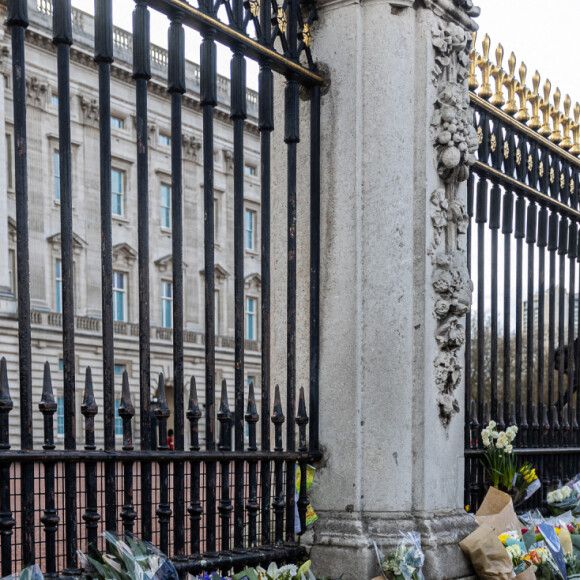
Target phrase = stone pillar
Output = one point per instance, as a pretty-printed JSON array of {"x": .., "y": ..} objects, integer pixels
[{"x": 397, "y": 142}]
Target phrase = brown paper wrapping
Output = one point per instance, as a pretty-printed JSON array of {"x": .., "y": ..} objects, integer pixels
[
  {"x": 487, "y": 554},
  {"x": 497, "y": 511},
  {"x": 527, "y": 574}
]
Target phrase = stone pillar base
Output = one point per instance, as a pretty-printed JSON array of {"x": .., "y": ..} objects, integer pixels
[{"x": 341, "y": 544}]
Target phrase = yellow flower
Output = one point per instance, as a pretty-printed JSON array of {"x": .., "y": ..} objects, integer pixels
[{"x": 466, "y": 508}]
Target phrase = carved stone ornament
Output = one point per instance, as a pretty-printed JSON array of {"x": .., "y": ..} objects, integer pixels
[
  {"x": 453, "y": 132},
  {"x": 455, "y": 141},
  {"x": 36, "y": 92},
  {"x": 191, "y": 146},
  {"x": 90, "y": 108}
]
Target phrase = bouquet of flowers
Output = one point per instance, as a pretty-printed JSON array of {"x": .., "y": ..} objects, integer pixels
[
  {"x": 287, "y": 572},
  {"x": 516, "y": 550},
  {"x": 562, "y": 500},
  {"x": 501, "y": 465},
  {"x": 543, "y": 563},
  {"x": 406, "y": 561},
  {"x": 128, "y": 559}
]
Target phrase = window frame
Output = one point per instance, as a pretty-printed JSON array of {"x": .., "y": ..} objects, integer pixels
[
  {"x": 58, "y": 286},
  {"x": 121, "y": 293},
  {"x": 56, "y": 175},
  {"x": 166, "y": 302},
  {"x": 165, "y": 209},
  {"x": 250, "y": 233},
  {"x": 251, "y": 318},
  {"x": 121, "y": 195}
]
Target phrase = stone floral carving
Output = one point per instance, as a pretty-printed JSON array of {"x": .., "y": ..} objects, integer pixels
[
  {"x": 191, "y": 146},
  {"x": 453, "y": 132},
  {"x": 455, "y": 141}
]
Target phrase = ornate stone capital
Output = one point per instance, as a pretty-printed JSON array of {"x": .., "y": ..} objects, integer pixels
[
  {"x": 191, "y": 146},
  {"x": 460, "y": 12}
]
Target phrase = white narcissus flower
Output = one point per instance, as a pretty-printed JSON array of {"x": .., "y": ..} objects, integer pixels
[
  {"x": 499, "y": 444},
  {"x": 509, "y": 448},
  {"x": 495, "y": 434},
  {"x": 492, "y": 425}
]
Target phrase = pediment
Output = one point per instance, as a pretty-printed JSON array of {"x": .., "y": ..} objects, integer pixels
[
  {"x": 220, "y": 272},
  {"x": 253, "y": 281},
  {"x": 79, "y": 243},
  {"x": 165, "y": 263},
  {"x": 124, "y": 253}
]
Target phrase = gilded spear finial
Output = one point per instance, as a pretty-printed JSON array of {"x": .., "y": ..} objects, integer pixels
[
  {"x": 557, "y": 116},
  {"x": 499, "y": 75},
  {"x": 566, "y": 142},
  {"x": 485, "y": 65},
  {"x": 524, "y": 94},
  {"x": 575, "y": 150},
  {"x": 511, "y": 83},
  {"x": 473, "y": 57},
  {"x": 535, "y": 122},
  {"x": 546, "y": 109}
]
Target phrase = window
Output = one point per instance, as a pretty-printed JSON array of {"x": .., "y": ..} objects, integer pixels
[
  {"x": 251, "y": 329},
  {"x": 117, "y": 191},
  {"x": 217, "y": 311},
  {"x": 117, "y": 122},
  {"x": 166, "y": 304},
  {"x": 60, "y": 415},
  {"x": 216, "y": 218},
  {"x": 54, "y": 100},
  {"x": 56, "y": 174},
  {"x": 119, "y": 298},
  {"x": 9, "y": 163},
  {"x": 164, "y": 139},
  {"x": 251, "y": 379},
  {"x": 12, "y": 271},
  {"x": 165, "y": 206},
  {"x": 60, "y": 365},
  {"x": 250, "y": 229},
  {"x": 250, "y": 170},
  {"x": 58, "y": 286},
  {"x": 119, "y": 370}
]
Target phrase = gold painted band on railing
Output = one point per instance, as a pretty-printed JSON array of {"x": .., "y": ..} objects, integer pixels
[
  {"x": 523, "y": 128},
  {"x": 541, "y": 197},
  {"x": 217, "y": 24}
]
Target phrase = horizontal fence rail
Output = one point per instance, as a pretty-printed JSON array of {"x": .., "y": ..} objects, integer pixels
[
  {"x": 522, "y": 355},
  {"x": 228, "y": 499}
]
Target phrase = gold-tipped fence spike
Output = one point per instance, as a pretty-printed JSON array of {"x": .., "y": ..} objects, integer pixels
[
  {"x": 473, "y": 58},
  {"x": 546, "y": 109},
  {"x": 511, "y": 85},
  {"x": 566, "y": 142},
  {"x": 575, "y": 149},
  {"x": 557, "y": 117},
  {"x": 499, "y": 75},
  {"x": 485, "y": 65},
  {"x": 524, "y": 94},
  {"x": 535, "y": 122}
]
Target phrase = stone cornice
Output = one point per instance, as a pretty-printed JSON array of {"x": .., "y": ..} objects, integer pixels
[
  {"x": 460, "y": 12},
  {"x": 122, "y": 71}
]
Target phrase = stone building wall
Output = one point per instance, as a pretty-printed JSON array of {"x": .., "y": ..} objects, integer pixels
[{"x": 44, "y": 222}]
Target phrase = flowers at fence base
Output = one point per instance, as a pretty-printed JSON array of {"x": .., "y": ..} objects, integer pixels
[
  {"x": 406, "y": 561},
  {"x": 127, "y": 558},
  {"x": 501, "y": 464},
  {"x": 559, "y": 495},
  {"x": 287, "y": 572}
]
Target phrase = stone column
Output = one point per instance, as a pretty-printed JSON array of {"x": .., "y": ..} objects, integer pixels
[{"x": 397, "y": 142}]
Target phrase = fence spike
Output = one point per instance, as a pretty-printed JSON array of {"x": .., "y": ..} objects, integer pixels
[
  {"x": 6, "y": 404},
  {"x": 126, "y": 408},
  {"x": 252, "y": 418},
  {"x": 194, "y": 414},
  {"x": 89, "y": 406},
  {"x": 224, "y": 416},
  {"x": 47, "y": 405},
  {"x": 302, "y": 421},
  {"x": 278, "y": 415}
]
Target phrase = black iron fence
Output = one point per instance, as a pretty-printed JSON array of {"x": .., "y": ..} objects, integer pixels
[
  {"x": 213, "y": 506},
  {"x": 522, "y": 364}
]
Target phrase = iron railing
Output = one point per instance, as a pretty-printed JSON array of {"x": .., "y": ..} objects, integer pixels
[
  {"x": 521, "y": 341},
  {"x": 55, "y": 501}
]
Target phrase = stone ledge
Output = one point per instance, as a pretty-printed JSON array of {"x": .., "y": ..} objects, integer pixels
[{"x": 339, "y": 537}]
